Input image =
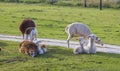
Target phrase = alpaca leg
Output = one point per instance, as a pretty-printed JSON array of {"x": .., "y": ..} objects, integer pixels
[
  {"x": 69, "y": 37},
  {"x": 40, "y": 51},
  {"x": 26, "y": 36},
  {"x": 23, "y": 36},
  {"x": 35, "y": 36},
  {"x": 31, "y": 36}
]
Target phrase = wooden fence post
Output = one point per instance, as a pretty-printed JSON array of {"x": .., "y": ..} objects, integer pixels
[
  {"x": 52, "y": 1},
  {"x": 100, "y": 4},
  {"x": 85, "y": 3},
  {"x": 17, "y": 1}
]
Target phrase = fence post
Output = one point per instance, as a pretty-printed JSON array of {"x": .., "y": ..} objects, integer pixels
[
  {"x": 52, "y": 1},
  {"x": 100, "y": 4},
  {"x": 17, "y": 1},
  {"x": 85, "y": 3}
]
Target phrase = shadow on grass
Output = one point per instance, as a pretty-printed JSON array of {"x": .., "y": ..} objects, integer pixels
[
  {"x": 108, "y": 54},
  {"x": 59, "y": 52},
  {"x": 56, "y": 51},
  {"x": 3, "y": 44}
]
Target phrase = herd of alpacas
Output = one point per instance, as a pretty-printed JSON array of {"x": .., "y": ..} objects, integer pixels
[{"x": 32, "y": 46}]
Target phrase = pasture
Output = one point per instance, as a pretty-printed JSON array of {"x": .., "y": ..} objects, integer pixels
[
  {"x": 56, "y": 59},
  {"x": 52, "y": 20}
]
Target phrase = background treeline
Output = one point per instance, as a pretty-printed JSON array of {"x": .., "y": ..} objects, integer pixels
[{"x": 90, "y": 3}]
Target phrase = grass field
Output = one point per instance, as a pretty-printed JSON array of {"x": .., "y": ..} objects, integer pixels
[
  {"x": 51, "y": 20},
  {"x": 56, "y": 59}
]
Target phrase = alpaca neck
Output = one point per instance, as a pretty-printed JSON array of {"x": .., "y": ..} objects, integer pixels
[{"x": 91, "y": 42}]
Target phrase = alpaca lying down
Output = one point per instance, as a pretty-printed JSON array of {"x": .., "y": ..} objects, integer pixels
[
  {"x": 86, "y": 46},
  {"x": 31, "y": 48}
]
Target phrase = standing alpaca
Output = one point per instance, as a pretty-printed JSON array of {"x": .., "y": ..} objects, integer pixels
[
  {"x": 25, "y": 24},
  {"x": 32, "y": 32},
  {"x": 78, "y": 29}
]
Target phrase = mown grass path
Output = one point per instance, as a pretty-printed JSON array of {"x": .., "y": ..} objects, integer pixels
[{"x": 107, "y": 48}]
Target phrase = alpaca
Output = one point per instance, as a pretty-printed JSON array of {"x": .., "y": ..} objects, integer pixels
[
  {"x": 32, "y": 31},
  {"x": 89, "y": 47},
  {"x": 40, "y": 47},
  {"x": 28, "y": 48},
  {"x": 25, "y": 24},
  {"x": 78, "y": 29},
  {"x": 79, "y": 49}
]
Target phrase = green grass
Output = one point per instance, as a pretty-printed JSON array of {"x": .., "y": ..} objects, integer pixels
[
  {"x": 56, "y": 59},
  {"x": 51, "y": 20}
]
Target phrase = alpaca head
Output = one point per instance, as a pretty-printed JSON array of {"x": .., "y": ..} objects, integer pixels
[
  {"x": 81, "y": 41},
  {"x": 99, "y": 41},
  {"x": 31, "y": 51},
  {"x": 96, "y": 39}
]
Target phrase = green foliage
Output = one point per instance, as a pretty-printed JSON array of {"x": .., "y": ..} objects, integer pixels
[{"x": 56, "y": 59}]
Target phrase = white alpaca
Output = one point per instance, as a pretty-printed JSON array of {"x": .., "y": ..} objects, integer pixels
[
  {"x": 40, "y": 51},
  {"x": 79, "y": 49},
  {"x": 90, "y": 46},
  {"x": 41, "y": 48},
  {"x": 32, "y": 32},
  {"x": 78, "y": 29}
]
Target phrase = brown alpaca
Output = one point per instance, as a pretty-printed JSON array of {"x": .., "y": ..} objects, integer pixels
[
  {"x": 25, "y": 24},
  {"x": 28, "y": 47}
]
